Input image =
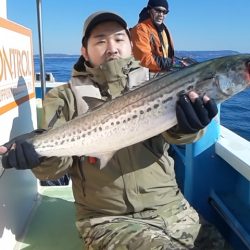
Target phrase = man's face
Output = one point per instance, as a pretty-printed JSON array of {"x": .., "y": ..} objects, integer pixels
[
  {"x": 158, "y": 14},
  {"x": 107, "y": 41}
]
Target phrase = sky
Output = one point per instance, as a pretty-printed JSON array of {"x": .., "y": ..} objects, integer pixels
[{"x": 194, "y": 24}]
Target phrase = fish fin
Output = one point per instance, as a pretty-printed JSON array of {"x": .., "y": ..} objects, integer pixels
[
  {"x": 93, "y": 102},
  {"x": 105, "y": 158}
]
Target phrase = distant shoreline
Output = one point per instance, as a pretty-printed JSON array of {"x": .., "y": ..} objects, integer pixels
[{"x": 195, "y": 53}]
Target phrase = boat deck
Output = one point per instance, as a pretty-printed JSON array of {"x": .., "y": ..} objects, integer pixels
[{"x": 52, "y": 224}]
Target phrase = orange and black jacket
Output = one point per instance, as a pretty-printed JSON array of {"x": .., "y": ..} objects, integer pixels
[{"x": 148, "y": 46}]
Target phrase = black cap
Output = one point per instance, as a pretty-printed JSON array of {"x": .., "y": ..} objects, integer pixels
[
  {"x": 98, "y": 17},
  {"x": 156, "y": 3}
]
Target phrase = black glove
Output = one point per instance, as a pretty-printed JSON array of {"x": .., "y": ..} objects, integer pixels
[
  {"x": 164, "y": 63},
  {"x": 23, "y": 156},
  {"x": 192, "y": 117},
  {"x": 182, "y": 62}
]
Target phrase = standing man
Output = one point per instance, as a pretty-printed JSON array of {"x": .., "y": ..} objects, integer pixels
[
  {"x": 152, "y": 42},
  {"x": 134, "y": 201}
]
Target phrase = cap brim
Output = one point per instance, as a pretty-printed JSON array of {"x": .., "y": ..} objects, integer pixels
[{"x": 104, "y": 17}]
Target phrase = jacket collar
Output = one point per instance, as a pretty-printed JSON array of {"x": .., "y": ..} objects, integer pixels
[{"x": 111, "y": 77}]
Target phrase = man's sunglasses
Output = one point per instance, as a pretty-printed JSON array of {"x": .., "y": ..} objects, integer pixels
[{"x": 160, "y": 11}]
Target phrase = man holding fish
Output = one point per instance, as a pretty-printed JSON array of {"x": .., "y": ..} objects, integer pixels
[{"x": 126, "y": 196}]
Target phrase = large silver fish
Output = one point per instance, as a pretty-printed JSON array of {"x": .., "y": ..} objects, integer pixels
[{"x": 143, "y": 112}]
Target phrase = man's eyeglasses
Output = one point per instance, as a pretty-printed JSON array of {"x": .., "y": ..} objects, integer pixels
[{"x": 160, "y": 11}]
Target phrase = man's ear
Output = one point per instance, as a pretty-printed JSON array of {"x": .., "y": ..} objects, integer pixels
[{"x": 85, "y": 53}]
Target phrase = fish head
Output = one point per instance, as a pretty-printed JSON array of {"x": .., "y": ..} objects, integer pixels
[
  {"x": 232, "y": 74},
  {"x": 236, "y": 69},
  {"x": 224, "y": 77}
]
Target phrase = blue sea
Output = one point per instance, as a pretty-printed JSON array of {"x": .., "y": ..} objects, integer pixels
[{"x": 235, "y": 112}]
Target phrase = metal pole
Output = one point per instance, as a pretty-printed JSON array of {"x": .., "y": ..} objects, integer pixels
[{"x": 40, "y": 36}]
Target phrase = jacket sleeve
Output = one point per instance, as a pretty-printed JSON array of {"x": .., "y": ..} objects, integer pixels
[
  {"x": 172, "y": 136},
  {"x": 142, "y": 48},
  {"x": 60, "y": 98}
]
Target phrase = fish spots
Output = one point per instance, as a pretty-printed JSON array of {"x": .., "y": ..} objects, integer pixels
[
  {"x": 149, "y": 109},
  {"x": 141, "y": 112},
  {"x": 134, "y": 116},
  {"x": 167, "y": 100},
  {"x": 190, "y": 87},
  {"x": 156, "y": 106}
]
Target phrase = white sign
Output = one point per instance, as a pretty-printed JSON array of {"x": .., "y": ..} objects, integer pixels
[{"x": 16, "y": 65}]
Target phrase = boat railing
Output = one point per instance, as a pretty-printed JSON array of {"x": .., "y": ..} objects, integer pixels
[
  {"x": 215, "y": 178},
  {"x": 48, "y": 77}
]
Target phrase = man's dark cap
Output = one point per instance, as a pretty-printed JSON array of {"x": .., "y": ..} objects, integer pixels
[
  {"x": 156, "y": 3},
  {"x": 99, "y": 17}
]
